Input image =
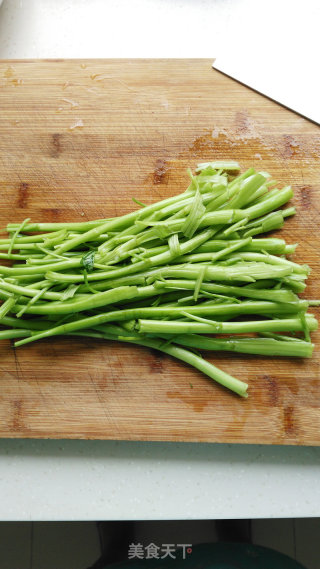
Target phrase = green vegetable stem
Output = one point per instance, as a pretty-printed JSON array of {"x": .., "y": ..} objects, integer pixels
[{"x": 196, "y": 272}]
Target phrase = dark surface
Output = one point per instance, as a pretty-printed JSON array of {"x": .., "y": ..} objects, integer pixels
[{"x": 220, "y": 556}]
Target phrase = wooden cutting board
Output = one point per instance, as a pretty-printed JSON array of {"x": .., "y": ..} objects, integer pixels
[{"x": 78, "y": 140}]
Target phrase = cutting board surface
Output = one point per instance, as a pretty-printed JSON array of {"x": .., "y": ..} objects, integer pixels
[{"x": 78, "y": 140}]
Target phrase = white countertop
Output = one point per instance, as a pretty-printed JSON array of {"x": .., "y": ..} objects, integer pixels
[
  {"x": 264, "y": 30},
  {"x": 90, "y": 480}
]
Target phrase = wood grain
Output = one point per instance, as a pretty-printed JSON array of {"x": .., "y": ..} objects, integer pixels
[{"x": 143, "y": 123}]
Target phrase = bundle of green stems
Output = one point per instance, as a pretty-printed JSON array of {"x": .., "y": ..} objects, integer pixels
[{"x": 187, "y": 273}]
